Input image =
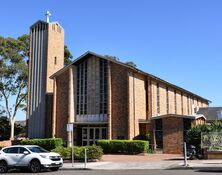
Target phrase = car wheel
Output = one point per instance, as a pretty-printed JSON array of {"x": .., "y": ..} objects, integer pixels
[
  {"x": 3, "y": 167},
  {"x": 35, "y": 166},
  {"x": 54, "y": 169}
]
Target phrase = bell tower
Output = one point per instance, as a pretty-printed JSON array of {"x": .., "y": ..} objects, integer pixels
[{"x": 46, "y": 58}]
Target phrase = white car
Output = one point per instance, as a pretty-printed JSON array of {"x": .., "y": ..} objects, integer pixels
[{"x": 30, "y": 156}]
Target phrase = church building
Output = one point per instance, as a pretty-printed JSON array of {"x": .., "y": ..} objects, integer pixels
[{"x": 103, "y": 97}]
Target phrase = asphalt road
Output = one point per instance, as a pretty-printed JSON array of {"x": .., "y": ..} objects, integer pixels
[{"x": 122, "y": 172}]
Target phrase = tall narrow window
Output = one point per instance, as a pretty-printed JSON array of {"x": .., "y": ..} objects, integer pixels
[
  {"x": 181, "y": 103},
  {"x": 188, "y": 106},
  {"x": 167, "y": 100},
  {"x": 103, "y": 67},
  {"x": 81, "y": 98},
  {"x": 158, "y": 98},
  {"x": 146, "y": 89},
  {"x": 175, "y": 101},
  {"x": 55, "y": 60}
]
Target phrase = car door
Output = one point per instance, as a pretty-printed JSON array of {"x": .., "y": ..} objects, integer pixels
[
  {"x": 23, "y": 159},
  {"x": 12, "y": 155}
]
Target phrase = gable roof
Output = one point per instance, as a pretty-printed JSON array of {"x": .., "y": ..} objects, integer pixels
[
  {"x": 89, "y": 53},
  {"x": 211, "y": 113}
]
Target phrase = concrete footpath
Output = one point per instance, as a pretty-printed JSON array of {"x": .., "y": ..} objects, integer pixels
[
  {"x": 211, "y": 165},
  {"x": 150, "y": 161}
]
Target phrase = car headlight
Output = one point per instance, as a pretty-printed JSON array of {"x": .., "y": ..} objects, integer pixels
[{"x": 43, "y": 156}]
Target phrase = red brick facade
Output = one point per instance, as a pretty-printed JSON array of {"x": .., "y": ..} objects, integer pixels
[{"x": 173, "y": 135}]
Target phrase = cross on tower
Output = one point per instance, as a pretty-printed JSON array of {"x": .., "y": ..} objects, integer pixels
[{"x": 48, "y": 14}]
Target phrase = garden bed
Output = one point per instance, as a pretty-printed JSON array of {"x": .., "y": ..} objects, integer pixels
[{"x": 217, "y": 154}]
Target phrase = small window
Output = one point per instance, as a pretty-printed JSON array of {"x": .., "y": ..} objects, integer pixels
[
  {"x": 13, "y": 150},
  {"x": 5, "y": 150},
  {"x": 21, "y": 150},
  {"x": 55, "y": 60}
]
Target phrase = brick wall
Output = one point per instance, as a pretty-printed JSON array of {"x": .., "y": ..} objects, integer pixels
[
  {"x": 162, "y": 98},
  {"x": 119, "y": 101},
  {"x": 172, "y": 135},
  {"x": 137, "y": 102},
  {"x": 62, "y": 97},
  {"x": 55, "y": 51}
]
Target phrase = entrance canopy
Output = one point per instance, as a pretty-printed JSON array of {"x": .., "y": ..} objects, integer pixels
[{"x": 194, "y": 117}]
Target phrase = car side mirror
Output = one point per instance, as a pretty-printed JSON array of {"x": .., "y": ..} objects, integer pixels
[{"x": 25, "y": 152}]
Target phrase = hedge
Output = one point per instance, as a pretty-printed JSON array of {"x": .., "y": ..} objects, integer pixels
[
  {"x": 123, "y": 146},
  {"x": 48, "y": 144},
  {"x": 93, "y": 152}
]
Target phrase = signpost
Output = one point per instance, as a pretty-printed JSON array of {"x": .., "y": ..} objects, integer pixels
[
  {"x": 185, "y": 154},
  {"x": 70, "y": 129}
]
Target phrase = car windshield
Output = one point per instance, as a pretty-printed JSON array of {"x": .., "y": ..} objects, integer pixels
[{"x": 36, "y": 149}]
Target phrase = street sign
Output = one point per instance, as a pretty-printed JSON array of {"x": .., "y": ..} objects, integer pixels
[{"x": 69, "y": 127}]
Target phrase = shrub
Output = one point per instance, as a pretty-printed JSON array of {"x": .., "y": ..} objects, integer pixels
[
  {"x": 65, "y": 152},
  {"x": 124, "y": 146},
  {"x": 48, "y": 144},
  {"x": 93, "y": 152},
  {"x": 194, "y": 134}
]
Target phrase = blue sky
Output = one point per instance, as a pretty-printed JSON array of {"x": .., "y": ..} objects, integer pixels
[{"x": 179, "y": 41}]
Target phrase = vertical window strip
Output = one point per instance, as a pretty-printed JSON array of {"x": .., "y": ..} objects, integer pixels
[
  {"x": 85, "y": 87},
  {"x": 188, "y": 106},
  {"x": 103, "y": 86},
  {"x": 167, "y": 100},
  {"x": 175, "y": 101},
  {"x": 158, "y": 98},
  {"x": 81, "y": 106},
  {"x": 181, "y": 103}
]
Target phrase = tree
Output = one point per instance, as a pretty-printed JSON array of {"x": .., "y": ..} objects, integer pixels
[
  {"x": 130, "y": 63},
  {"x": 5, "y": 129},
  {"x": 68, "y": 58},
  {"x": 14, "y": 75},
  {"x": 112, "y": 57}
]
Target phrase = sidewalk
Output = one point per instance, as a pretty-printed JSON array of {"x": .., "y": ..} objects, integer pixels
[
  {"x": 209, "y": 165},
  {"x": 123, "y": 162},
  {"x": 151, "y": 161}
]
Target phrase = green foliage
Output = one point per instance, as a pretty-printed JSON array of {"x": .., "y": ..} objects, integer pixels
[
  {"x": 194, "y": 134},
  {"x": 5, "y": 129},
  {"x": 65, "y": 152},
  {"x": 124, "y": 146},
  {"x": 130, "y": 63},
  {"x": 68, "y": 58},
  {"x": 48, "y": 144},
  {"x": 112, "y": 57},
  {"x": 13, "y": 76},
  {"x": 93, "y": 152},
  {"x": 150, "y": 151}
]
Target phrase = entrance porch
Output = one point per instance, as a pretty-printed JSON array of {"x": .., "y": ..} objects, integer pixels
[{"x": 89, "y": 134}]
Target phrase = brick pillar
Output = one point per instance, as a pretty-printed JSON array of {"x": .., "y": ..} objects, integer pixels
[
  {"x": 173, "y": 135},
  {"x": 54, "y": 108},
  {"x": 70, "y": 104},
  {"x": 153, "y": 136},
  {"x": 109, "y": 129}
]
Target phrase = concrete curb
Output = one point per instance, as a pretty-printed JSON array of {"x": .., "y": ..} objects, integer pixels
[{"x": 201, "y": 169}]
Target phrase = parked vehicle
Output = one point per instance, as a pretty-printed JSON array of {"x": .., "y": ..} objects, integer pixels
[{"x": 32, "y": 157}]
